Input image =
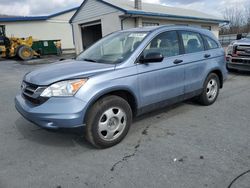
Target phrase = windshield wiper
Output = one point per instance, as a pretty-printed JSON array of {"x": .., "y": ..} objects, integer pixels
[{"x": 90, "y": 60}]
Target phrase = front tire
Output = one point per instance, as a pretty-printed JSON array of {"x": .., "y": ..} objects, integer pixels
[
  {"x": 108, "y": 121},
  {"x": 25, "y": 53},
  {"x": 211, "y": 90}
]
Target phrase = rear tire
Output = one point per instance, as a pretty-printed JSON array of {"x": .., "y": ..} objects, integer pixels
[
  {"x": 108, "y": 121},
  {"x": 210, "y": 91},
  {"x": 25, "y": 53}
]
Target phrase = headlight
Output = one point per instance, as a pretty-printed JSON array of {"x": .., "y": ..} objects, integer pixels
[
  {"x": 229, "y": 50},
  {"x": 63, "y": 88}
]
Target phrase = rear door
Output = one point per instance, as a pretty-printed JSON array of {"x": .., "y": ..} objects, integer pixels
[
  {"x": 194, "y": 61},
  {"x": 159, "y": 82}
]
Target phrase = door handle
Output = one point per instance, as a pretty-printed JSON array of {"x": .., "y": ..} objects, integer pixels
[
  {"x": 178, "y": 61},
  {"x": 207, "y": 55}
]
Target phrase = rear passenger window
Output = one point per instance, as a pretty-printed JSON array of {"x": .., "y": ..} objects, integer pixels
[
  {"x": 165, "y": 43},
  {"x": 192, "y": 42},
  {"x": 211, "y": 44}
]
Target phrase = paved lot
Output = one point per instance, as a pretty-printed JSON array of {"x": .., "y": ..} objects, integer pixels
[{"x": 184, "y": 146}]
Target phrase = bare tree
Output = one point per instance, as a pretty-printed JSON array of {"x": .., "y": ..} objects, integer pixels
[
  {"x": 234, "y": 15},
  {"x": 239, "y": 20},
  {"x": 247, "y": 18}
]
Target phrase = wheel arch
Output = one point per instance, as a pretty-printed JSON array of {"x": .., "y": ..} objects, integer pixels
[
  {"x": 124, "y": 93},
  {"x": 219, "y": 74}
]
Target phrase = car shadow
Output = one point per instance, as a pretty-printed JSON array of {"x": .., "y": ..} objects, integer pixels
[
  {"x": 158, "y": 112},
  {"x": 75, "y": 136},
  {"x": 54, "y": 138}
]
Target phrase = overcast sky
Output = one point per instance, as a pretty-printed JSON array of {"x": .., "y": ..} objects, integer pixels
[{"x": 45, "y": 7}]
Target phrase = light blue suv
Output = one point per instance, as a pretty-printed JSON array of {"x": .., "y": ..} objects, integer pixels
[{"x": 123, "y": 75}]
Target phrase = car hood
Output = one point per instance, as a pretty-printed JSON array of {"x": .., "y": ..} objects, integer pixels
[
  {"x": 68, "y": 69},
  {"x": 244, "y": 41}
]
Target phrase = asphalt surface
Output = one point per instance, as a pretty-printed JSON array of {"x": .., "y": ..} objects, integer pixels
[{"x": 182, "y": 146}]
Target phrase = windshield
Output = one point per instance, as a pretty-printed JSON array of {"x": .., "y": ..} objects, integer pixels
[{"x": 114, "y": 48}]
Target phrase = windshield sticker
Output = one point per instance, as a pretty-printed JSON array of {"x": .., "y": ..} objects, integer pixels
[{"x": 138, "y": 35}]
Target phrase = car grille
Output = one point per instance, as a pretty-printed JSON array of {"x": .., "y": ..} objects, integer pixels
[
  {"x": 32, "y": 93},
  {"x": 243, "y": 50},
  {"x": 245, "y": 61}
]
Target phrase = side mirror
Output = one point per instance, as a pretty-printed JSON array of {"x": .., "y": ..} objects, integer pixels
[
  {"x": 154, "y": 57},
  {"x": 239, "y": 36}
]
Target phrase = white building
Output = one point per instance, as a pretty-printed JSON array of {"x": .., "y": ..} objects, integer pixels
[
  {"x": 97, "y": 18},
  {"x": 52, "y": 27}
]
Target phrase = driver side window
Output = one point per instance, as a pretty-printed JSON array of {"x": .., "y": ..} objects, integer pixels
[{"x": 165, "y": 43}]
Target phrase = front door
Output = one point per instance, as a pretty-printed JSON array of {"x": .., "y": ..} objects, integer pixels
[{"x": 159, "y": 83}]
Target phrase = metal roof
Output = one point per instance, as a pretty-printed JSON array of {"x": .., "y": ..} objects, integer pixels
[
  {"x": 157, "y": 10},
  {"x": 33, "y": 18},
  {"x": 149, "y": 9}
]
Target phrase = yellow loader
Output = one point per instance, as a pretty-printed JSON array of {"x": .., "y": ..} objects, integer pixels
[{"x": 16, "y": 47}]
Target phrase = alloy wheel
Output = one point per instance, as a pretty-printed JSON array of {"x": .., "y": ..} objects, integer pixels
[{"x": 212, "y": 89}]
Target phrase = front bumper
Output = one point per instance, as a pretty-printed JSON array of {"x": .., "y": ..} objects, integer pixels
[
  {"x": 242, "y": 64},
  {"x": 238, "y": 66},
  {"x": 57, "y": 112}
]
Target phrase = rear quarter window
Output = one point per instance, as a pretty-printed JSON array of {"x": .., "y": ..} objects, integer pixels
[{"x": 210, "y": 43}]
